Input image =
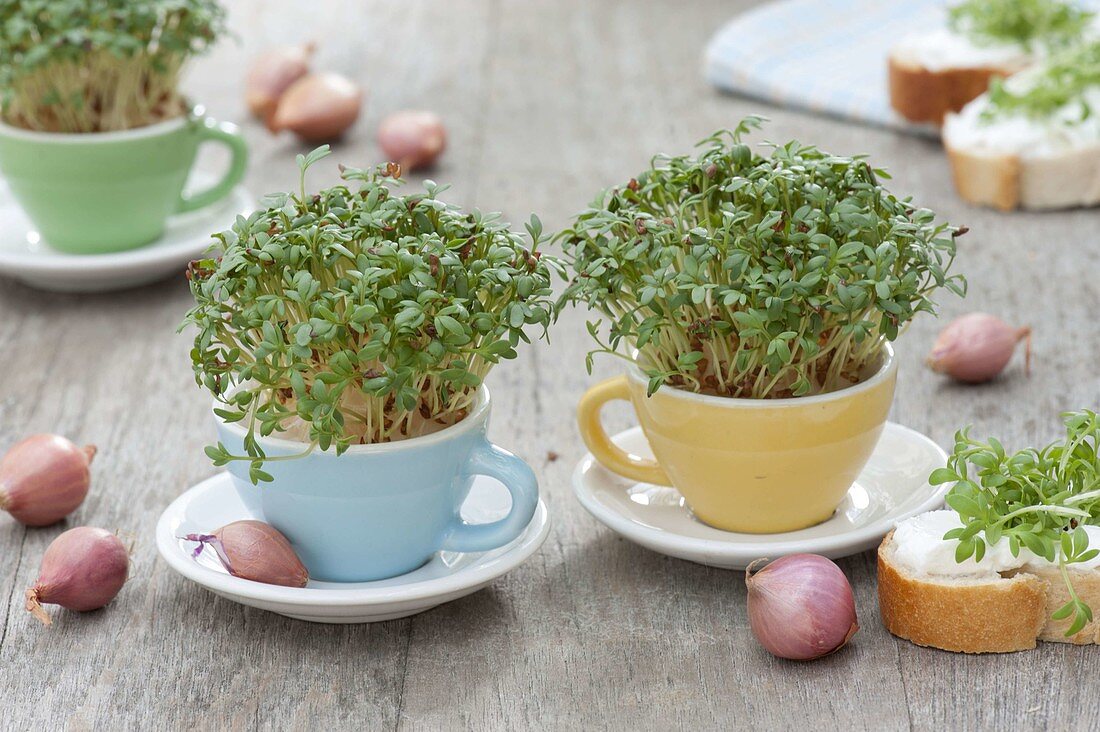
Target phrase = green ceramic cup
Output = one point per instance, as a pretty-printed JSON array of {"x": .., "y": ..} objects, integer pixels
[{"x": 111, "y": 191}]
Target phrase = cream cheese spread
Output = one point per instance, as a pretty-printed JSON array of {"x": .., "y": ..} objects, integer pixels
[
  {"x": 1023, "y": 136},
  {"x": 943, "y": 49},
  {"x": 919, "y": 546}
]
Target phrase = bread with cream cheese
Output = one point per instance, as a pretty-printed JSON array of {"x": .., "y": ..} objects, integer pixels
[
  {"x": 934, "y": 74},
  {"x": 1002, "y": 605},
  {"x": 1008, "y": 153}
]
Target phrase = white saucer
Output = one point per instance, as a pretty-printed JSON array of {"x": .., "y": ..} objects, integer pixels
[
  {"x": 893, "y": 487},
  {"x": 25, "y": 257},
  {"x": 448, "y": 576}
]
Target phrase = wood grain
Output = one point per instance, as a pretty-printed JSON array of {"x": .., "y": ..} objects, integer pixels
[{"x": 546, "y": 101}]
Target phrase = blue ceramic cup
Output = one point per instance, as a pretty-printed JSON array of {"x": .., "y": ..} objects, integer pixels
[{"x": 379, "y": 511}]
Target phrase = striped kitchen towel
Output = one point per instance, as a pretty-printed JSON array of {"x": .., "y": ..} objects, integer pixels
[{"x": 828, "y": 56}]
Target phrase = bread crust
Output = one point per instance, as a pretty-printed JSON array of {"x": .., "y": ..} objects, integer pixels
[
  {"x": 986, "y": 180},
  {"x": 1086, "y": 583},
  {"x": 1007, "y": 182},
  {"x": 998, "y": 615},
  {"x": 995, "y": 616},
  {"x": 921, "y": 95}
]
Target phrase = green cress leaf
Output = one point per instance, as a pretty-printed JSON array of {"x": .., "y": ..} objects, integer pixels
[
  {"x": 98, "y": 65},
  {"x": 1058, "y": 86},
  {"x": 356, "y": 315},
  {"x": 1026, "y": 23},
  {"x": 1040, "y": 499},
  {"x": 742, "y": 275}
]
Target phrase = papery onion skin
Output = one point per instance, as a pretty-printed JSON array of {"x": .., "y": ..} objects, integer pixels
[
  {"x": 82, "y": 570},
  {"x": 44, "y": 478},
  {"x": 412, "y": 138},
  {"x": 255, "y": 551},
  {"x": 271, "y": 74},
  {"x": 976, "y": 347},
  {"x": 318, "y": 107},
  {"x": 800, "y": 606}
]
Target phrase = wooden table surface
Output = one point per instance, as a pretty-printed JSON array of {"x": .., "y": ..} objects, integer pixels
[{"x": 546, "y": 101}]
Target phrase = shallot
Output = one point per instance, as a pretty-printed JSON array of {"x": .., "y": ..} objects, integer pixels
[
  {"x": 800, "y": 606},
  {"x": 318, "y": 107},
  {"x": 411, "y": 138},
  {"x": 976, "y": 347},
  {"x": 83, "y": 569},
  {"x": 255, "y": 551},
  {"x": 44, "y": 478},
  {"x": 271, "y": 74}
]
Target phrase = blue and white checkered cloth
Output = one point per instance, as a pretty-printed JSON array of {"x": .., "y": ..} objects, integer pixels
[{"x": 827, "y": 56}]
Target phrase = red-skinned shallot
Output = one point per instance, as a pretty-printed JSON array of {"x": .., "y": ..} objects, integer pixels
[
  {"x": 318, "y": 107},
  {"x": 411, "y": 138},
  {"x": 83, "y": 569},
  {"x": 255, "y": 551},
  {"x": 44, "y": 478},
  {"x": 800, "y": 606},
  {"x": 271, "y": 74},
  {"x": 975, "y": 348}
]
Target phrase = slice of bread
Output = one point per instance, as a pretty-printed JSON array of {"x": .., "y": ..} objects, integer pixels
[
  {"x": 1033, "y": 141},
  {"x": 933, "y": 74},
  {"x": 1008, "y": 180},
  {"x": 920, "y": 94},
  {"x": 1007, "y": 612}
]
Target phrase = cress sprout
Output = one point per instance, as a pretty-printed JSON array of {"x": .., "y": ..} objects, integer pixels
[
  {"x": 1059, "y": 87},
  {"x": 98, "y": 65},
  {"x": 357, "y": 315},
  {"x": 1025, "y": 23},
  {"x": 741, "y": 275},
  {"x": 1036, "y": 499}
]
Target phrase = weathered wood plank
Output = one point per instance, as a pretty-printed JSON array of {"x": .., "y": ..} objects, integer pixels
[
  {"x": 619, "y": 636},
  {"x": 111, "y": 369},
  {"x": 546, "y": 102}
]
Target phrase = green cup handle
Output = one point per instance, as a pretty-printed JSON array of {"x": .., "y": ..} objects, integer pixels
[{"x": 229, "y": 135}]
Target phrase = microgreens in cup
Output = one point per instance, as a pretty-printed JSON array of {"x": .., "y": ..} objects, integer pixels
[
  {"x": 1059, "y": 87},
  {"x": 356, "y": 315},
  {"x": 99, "y": 65},
  {"x": 741, "y": 275},
  {"x": 1026, "y": 23},
  {"x": 1035, "y": 499}
]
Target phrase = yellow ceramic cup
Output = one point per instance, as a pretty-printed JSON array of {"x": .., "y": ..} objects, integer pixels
[{"x": 750, "y": 465}]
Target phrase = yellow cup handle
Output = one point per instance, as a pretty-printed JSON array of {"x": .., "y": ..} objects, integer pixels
[{"x": 600, "y": 445}]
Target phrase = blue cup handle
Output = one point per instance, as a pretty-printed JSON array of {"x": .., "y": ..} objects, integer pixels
[{"x": 519, "y": 479}]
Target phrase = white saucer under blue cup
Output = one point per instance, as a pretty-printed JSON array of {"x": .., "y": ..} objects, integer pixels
[
  {"x": 446, "y": 576},
  {"x": 390, "y": 523}
]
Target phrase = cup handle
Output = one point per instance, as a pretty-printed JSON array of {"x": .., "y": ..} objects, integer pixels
[
  {"x": 228, "y": 135},
  {"x": 600, "y": 445},
  {"x": 519, "y": 479}
]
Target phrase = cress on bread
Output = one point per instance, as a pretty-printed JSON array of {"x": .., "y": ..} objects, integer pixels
[
  {"x": 934, "y": 73},
  {"x": 1013, "y": 560},
  {"x": 1033, "y": 140}
]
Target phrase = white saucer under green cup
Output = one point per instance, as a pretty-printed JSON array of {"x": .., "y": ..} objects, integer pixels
[
  {"x": 26, "y": 256},
  {"x": 93, "y": 193}
]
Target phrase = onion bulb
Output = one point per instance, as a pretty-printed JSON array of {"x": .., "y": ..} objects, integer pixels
[
  {"x": 254, "y": 551},
  {"x": 412, "y": 139},
  {"x": 271, "y": 74},
  {"x": 800, "y": 606},
  {"x": 318, "y": 107},
  {"x": 83, "y": 569},
  {"x": 976, "y": 347},
  {"x": 44, "y": 478}
]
